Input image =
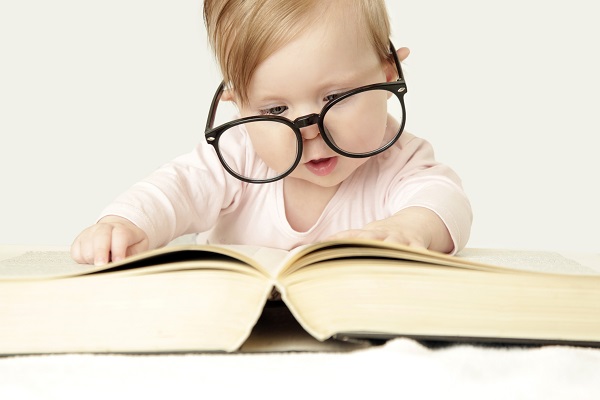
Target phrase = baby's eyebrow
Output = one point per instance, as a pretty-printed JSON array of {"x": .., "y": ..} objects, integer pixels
[
  {"x": 265, "y": 95},
  {"x": 340, "y": 82},
  {"x": 349, "y": 80}
]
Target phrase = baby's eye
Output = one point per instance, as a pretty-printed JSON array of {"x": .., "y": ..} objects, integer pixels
[
  {"x": 331, "y": 97},
  {"x": 277, "y": 110}
]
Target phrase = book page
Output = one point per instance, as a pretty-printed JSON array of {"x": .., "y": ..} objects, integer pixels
[
  {"x": 39, "y": 262},
  {"x": 269, "y": 258},
  {"x": 538, "y": 261},
  {"x": 44, "y": 262},
  {"x": 492, "y": 260}
]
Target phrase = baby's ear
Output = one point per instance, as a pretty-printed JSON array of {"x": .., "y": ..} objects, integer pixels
[
  {"x": 390, "y": 69},
  {"x": 403, "y": 53},
  {"x": 228, "y": 95}
]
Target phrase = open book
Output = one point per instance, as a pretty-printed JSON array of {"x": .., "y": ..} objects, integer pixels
[{"x": 209, "y": 298}]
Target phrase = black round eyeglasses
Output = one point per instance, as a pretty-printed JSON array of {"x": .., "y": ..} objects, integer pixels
[{"x": 354, "y": 124}]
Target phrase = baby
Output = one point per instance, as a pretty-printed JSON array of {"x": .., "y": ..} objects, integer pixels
[{"x": 317, "y": 151}]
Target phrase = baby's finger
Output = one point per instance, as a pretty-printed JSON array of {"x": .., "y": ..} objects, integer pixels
[
  {"x": 137, "y": 248},
  {"x": 122, "y": 239},
  {"x": 401, "y": 239},
  {"x": 101, "y": 244},
  {"x": 76, "y": 251},
  {"x": 82, "y": 249}
]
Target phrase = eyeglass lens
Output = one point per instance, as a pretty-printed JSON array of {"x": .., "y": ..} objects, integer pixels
[
  {"x": 359, "y": 123},
  {"x": 259, "y": 150}
]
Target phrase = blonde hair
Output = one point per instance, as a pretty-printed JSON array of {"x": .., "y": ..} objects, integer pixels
[{"x": 243, "y": 33}]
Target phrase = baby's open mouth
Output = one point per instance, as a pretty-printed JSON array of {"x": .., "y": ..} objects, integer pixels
[{"x": 322, "y": 166}]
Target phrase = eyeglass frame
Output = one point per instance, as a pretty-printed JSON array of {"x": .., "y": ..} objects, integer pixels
[{"x": 212, "y": 134}]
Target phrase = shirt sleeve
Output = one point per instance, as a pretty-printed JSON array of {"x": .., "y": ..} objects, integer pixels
[
  {"x": 421, "y": 181},
  {"x": 185, "y": 195}
]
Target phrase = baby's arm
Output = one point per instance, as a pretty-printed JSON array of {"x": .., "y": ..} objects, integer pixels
[
  {"x": 183, "y": 196},
  {"x": 111, "y": 238},
  {"x": 413, "y": 226},
  {"x": 424, "y": 200}
]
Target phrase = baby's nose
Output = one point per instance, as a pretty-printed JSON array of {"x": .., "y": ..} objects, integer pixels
[
  {"x": 308, "y": 125},
  {"x": 310, "y": 132}
]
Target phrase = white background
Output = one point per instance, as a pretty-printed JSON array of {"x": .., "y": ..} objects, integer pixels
[{"x": 95, "y": 94}]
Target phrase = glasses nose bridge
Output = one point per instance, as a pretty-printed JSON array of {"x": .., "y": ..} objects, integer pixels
[{"x": 306, "y": 120}]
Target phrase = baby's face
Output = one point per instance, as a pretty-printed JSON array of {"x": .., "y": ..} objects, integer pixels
[{"x": 299, "y": 79}]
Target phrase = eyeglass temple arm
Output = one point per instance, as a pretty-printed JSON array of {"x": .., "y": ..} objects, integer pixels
[
  {"x": 213, "y": 107},
  {"x": 397, "y": 62}
]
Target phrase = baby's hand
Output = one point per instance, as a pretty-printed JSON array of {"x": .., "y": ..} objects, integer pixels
[
  {"x": 111, "y": 239},
  {"x": 413, "y": 226}
]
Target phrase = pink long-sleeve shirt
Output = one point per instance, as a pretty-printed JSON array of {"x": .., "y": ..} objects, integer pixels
[{"x": 194, "y": 193}]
